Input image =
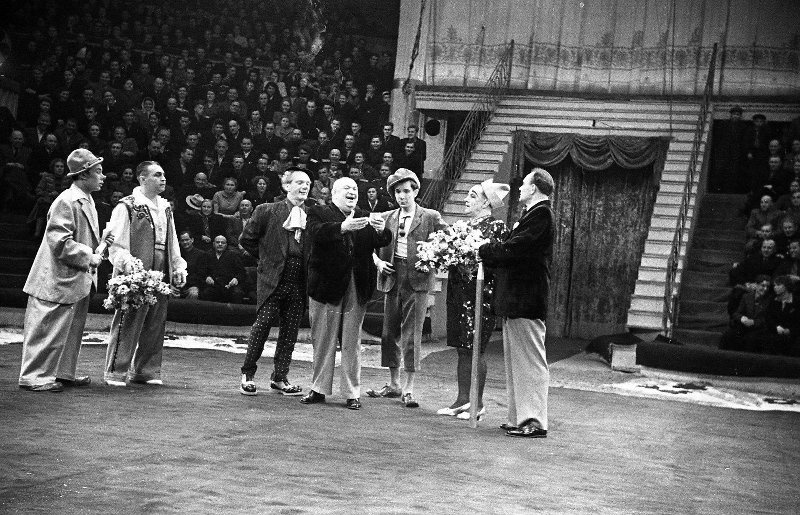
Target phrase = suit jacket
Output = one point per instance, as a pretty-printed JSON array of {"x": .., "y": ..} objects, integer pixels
[
  {"x": 334, "y": 255},
  {"x": 225, "y": 268},
  {"x": 59, "y": 271},
  {"x": 522, "y": 265},
  {"x": 217, "y": 225},
  {"x": 266, "y": 240},
  {"x": 425, "y": 222}
]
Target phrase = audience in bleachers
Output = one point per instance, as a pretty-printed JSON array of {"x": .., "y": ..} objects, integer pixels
[
  {"x": 763, "y": 314},
  {"x": 224, "y": 101}
]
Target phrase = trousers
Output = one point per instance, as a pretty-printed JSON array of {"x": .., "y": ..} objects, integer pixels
[
  {"x": 51, "y": 340},
  {"x": 328, "y": 321},
  {"x": 404, "y": 315},
  {"x": 284, "y": 307},
  {"x": 136, "y": 346},
  {"x": 527, "y": 374}
]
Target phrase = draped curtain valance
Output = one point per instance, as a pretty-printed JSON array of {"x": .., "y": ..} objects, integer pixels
[{"x": 593, "y": 153}]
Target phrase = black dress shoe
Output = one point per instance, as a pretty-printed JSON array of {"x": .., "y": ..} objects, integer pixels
[
  {"x": 353, "y": 404},
  {"x": 79, "y": 381},
  {"x": 312, "y": 397},
  {"x": 528, "y": 430}
]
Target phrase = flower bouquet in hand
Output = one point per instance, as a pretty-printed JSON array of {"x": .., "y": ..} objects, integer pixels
[
  {"x": 456, "y": 246},
  {"x": 135, "y": 288}
]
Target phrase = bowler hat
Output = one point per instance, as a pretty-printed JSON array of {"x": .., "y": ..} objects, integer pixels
[
  {"x": 80, "y": 160},
  {"x": 195, "y": 201},
  {"x": 402, "y": 174}
]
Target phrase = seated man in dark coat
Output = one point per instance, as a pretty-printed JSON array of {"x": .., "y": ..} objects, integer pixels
[
  {"x": 196, "y": 266},
  {"x": 226, "y": 275},
  {"x": 744, "y": 273},
  {"x": 781, "y": 323},
  {"x": 749, "y": 316}
]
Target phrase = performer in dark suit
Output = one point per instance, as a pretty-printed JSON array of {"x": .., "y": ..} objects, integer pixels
[
  {"x": 522, "y": 283},
  {"x": 275, "y": 236},
  {"x": 406, "y": 287},
  {"x": 341, "y": 280}
]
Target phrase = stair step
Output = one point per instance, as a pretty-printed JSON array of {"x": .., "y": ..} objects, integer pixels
[
  {"x": 691, "y": 290},
  {"x": 18, "y": 248},
  {"x": 14, "y": 231},
  {"x": 15, "y": 265},
  {"x": 697, "y": 336},
  {"x": 644, "y": 320},
  {"x": 704, "y": 278},
  {"x": 13, "y": 280}
]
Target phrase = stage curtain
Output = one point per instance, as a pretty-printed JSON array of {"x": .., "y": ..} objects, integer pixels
[
  {"x": 602, "y": 209},
  {"x": 626, "y": 47}
]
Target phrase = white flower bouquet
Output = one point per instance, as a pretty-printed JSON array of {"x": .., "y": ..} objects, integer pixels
[
  {"x": 135, "y": 288},
  {"x": 456, "y": 246}
]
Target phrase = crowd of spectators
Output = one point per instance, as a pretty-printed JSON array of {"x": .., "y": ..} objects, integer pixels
[
  {"x": 224, "y": 95},
  {"x": 764, "y": 315}
]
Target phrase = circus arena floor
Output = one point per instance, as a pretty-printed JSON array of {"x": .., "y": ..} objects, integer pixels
[{"x": 648, "y": 442}]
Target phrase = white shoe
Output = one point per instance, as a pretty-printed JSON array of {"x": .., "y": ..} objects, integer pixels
[
  {"x": 464, "y": 415},
  {"x": 111, "y": 382},
  {"x": 452, "y": 412},
  {"x": 156, "y": 382}
]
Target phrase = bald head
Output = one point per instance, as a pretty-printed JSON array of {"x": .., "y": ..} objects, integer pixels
[{"x": 344, "y": 194}]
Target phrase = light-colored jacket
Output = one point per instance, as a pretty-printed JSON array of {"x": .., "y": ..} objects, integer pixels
[
  {"x": 425, "y": 222},
  {"x": 61, "y": 272}
]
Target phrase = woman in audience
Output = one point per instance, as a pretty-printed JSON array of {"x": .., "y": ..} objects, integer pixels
[
  {"x": 207, "y": 225},
  {"x": 285, "y": 111},
  {"x": 284, "y": 129},
  {"x": 126, "y": 182},
  {"x": 323, "y": 181},
  {"x": 226, "y": 201},
  {"x": 259, "y": 194},
  {"x": 282, "y": 163}
]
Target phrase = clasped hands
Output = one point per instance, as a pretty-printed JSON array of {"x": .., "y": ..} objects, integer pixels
[{"x": 233, "y": 282}]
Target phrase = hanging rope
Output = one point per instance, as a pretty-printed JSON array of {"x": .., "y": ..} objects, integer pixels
[{"x": 415, "y": 51}]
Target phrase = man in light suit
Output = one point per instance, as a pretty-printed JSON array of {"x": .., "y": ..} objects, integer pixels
[
  {"x": 522, "y": 283},
  {"x": 341, "y": 280},
  {"x": 406, "y": 287},
  {"x": 61, "y": 280},
  {"x": 276, "y": 237}
]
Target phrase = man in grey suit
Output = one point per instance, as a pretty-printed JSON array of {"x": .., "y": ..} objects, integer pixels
[
  {"x": 61, "y": 280},
  {"x": 275, "y": 236},
  {"x": 522, "y": 284},
  {"x": 406, "y": 287}
]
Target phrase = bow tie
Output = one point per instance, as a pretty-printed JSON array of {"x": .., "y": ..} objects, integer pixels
[{"x": 296, "y": 221}]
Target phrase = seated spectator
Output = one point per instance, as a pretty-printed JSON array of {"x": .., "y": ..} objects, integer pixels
[
  {"x": 410, "y": 159},
  {"x": 787, "y": 233},
  {"x": 372, "y": 201},
  {"x": 283, "y": 162},
  {"x": 126, "y": 182},
  {"x": 743, "y": 274},
  {"x": 237, "y": 223},
  {"x": 781, "y": 323},
  {"x": 196, "y": 266},
  {"x": 51, "y": 184},
  {"x": 374, "y": 156},
  {"x": 260, "y": 193},
  {"x": 200, "y": 186},
  {"x": 385, "y": 171},
  {"x": 324, "y": 196},
  {"x": 785, "y": 200},
  {"x": 285, "y": 112},
  {"x": 226, "y": 201},
  {"x": 762, "y": 215},
  {"x": 226, "y": 274},
  {"x": 130, "y": 148},
  {"x": 749, "y": 315},
  {"x": 369, "y": 173},
  {"x": 790, "y": 264},
  {"x": 206, "y": 225},
  {"x": 284, "y": 129},
  {"x": 355, "y": 173},
  {"x": 323, "y": 181}
]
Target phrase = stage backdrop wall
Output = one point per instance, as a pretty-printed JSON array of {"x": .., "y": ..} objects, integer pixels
[
  {"x": 605, "y": 189},
  {"x": 653, "y": 47}
]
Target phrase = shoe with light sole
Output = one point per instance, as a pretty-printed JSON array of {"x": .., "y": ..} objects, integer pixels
[
  {"x": 53, "y": 387},
  {"x": 452, "y": 412},
  {"x": 248, "y": 386},
  {"x": 464, "y": 415},
  {"x": 114, "y": 382}
]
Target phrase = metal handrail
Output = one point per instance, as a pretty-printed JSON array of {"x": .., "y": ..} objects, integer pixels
[
  {"x": 671, "y": 294},
  {"x": 455, "y": 159}
]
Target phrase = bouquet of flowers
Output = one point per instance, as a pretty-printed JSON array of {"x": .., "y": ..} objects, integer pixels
[
  {"x": 135, "y": 288},
  {"x": 457, "y": 246}
]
